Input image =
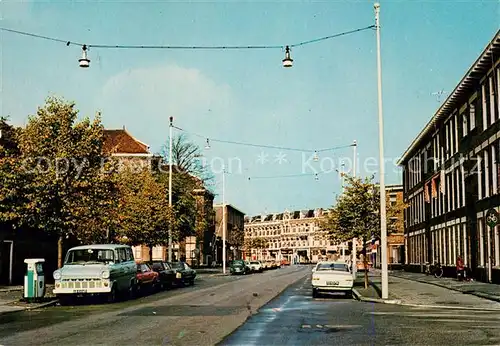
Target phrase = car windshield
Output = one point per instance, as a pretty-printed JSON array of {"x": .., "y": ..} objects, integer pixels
[
  {"x": 177, "y": 265},
  {"x": 333, "y": 266},
  {"x": 90, "y": 256},
  {"x": 238, "y": 263}
]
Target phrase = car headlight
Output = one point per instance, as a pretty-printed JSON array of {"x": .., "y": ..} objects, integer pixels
[
  {"x": 57, "y": 275},
  {"x": 105, "y": 274}
]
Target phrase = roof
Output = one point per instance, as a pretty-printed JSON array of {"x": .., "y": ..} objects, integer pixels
[
  {"x": 478, "y": 69},
  {"x": 122, "y": 142},
  {"x": 228, "y": 206},
  {"x": 99, "y": 246}
]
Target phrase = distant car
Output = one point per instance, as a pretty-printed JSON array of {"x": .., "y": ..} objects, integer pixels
[
  {"x": 184, "y": 274},
  {"x": 330, "y": 277},
  {"x": 285, "y": 262},
  {"x": 239, "y": 267},
  {"x": 256, "y": 266}
]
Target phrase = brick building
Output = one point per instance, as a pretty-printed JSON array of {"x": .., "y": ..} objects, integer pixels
[{"x": 451, "y": 176}]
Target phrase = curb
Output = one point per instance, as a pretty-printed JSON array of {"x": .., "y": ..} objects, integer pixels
[
  {"x": 477, "y": 294},
  {"x": 7, "y": 290},
  {"x": 359, "y": 297},
  {"x": 29, "y": 308}
]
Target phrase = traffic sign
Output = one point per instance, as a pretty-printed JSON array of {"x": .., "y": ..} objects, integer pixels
[{"x": 492, "y": 218}]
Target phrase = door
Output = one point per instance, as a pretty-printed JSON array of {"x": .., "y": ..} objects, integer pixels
[{"x": 5, "y": 262}]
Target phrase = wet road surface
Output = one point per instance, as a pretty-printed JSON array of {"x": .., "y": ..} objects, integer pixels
[{"x": 295, "y": 318}]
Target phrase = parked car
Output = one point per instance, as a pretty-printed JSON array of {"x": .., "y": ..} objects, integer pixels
[
  {"x": 147, "y": 278},
  {"x": 330, "y": 277},
  {"x": 256, "y": 266},
  {"x": 239, "y": 267},
  {"x": 104, "y": 269},
  {"x": 285, "y": 262},
  {"x": 166, "y": 275},
  {"x": 184, "y": 274}
]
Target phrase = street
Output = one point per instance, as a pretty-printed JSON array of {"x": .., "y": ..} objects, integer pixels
[
  {"x": 294, "y": 318},
  {"x": 198, "y": 315},
  {"x": 217, "y": 305}
]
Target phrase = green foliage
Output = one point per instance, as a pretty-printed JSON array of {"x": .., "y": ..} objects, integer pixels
[
  {"x": 11, "y": 178},
  {"x": 255, "y": 243},
  {"x": 61, "y": 163},
  {"x": 356, "y": 212},
  {"x": 144, "y": 213}
]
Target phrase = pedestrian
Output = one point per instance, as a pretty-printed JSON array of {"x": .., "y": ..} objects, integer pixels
[{"x": 460, "y": 268}]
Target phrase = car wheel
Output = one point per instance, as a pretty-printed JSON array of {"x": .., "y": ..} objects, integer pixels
[
  {"x": 315, "y": 293},
  {"x": 132, "y": 291},
  {"x": 65, "y": 300},
  {"x": 111, "y": 297}
]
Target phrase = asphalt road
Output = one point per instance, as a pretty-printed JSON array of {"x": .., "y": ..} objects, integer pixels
[
  {"x": 200, "y": 315},
  {"x": 295, "y": 318}
]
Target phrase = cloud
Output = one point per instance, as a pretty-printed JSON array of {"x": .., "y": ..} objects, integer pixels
[{"x": 143, "y": 99}]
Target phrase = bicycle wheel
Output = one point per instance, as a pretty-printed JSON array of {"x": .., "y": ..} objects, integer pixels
[{"x": 438, "y": 273}]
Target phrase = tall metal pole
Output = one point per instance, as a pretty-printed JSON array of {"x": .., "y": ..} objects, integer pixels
[
  {"x": 170, "y": 190},
  {"x": 355, "y": 146},
  {"x": 354, "y": 240},
  {"x": 224, "y": 221},
  {"x": 383, "y": 220}
]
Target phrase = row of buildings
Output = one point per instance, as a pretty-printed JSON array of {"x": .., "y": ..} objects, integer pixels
[
  {"x": 298, "y": 237},
  {"x": 451, "y": 176}
]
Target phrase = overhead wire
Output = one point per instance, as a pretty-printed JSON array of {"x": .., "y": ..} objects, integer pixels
[
  {"x": 196, "y": 47},
  {"x": 262, "y": 145}
]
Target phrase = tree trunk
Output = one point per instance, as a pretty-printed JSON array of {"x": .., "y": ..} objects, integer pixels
[
  {"x": 365, "y": 264},
  {"x": 150, "y": 253},
  {"x": 59, "y": 251}
]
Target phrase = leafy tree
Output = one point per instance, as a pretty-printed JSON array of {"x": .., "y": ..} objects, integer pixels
[
  {"x": 62, "y": 161},
  {"x": 11, "y": 179},
  {"x": 356, "y": 214},
  {"x": 258, "y": 244},
  {"x": 144, "y": 212}
]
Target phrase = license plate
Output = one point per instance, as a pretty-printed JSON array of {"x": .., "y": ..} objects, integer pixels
[
  {"x": 79, "y": 291},
  {"x": 332, "y": 283}
]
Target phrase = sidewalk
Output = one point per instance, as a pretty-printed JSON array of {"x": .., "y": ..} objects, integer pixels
[
  {"x": 404, "y": 291},
  {"x": 11, "y": 299},
  {"x": 476, "y": 288}
]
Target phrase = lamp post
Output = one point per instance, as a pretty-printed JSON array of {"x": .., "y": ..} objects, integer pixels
[
  {"x": 170, "y": 190},
  {"x": 224, "y": 221},
  {"x": 383, "y": 221}
]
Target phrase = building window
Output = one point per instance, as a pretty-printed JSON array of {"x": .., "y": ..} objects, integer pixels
[
  {"x": 486, "y": 173},
  {"x": 479, "y": 177},
  {"x": 465, "y": 124},
  {"x": 492, "y": 100},
  {"x": 472, "y": 114},
  {"x": 484, "y": 108}
]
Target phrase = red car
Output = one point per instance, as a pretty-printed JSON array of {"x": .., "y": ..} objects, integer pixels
[{"x": 146, "y": 277}]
